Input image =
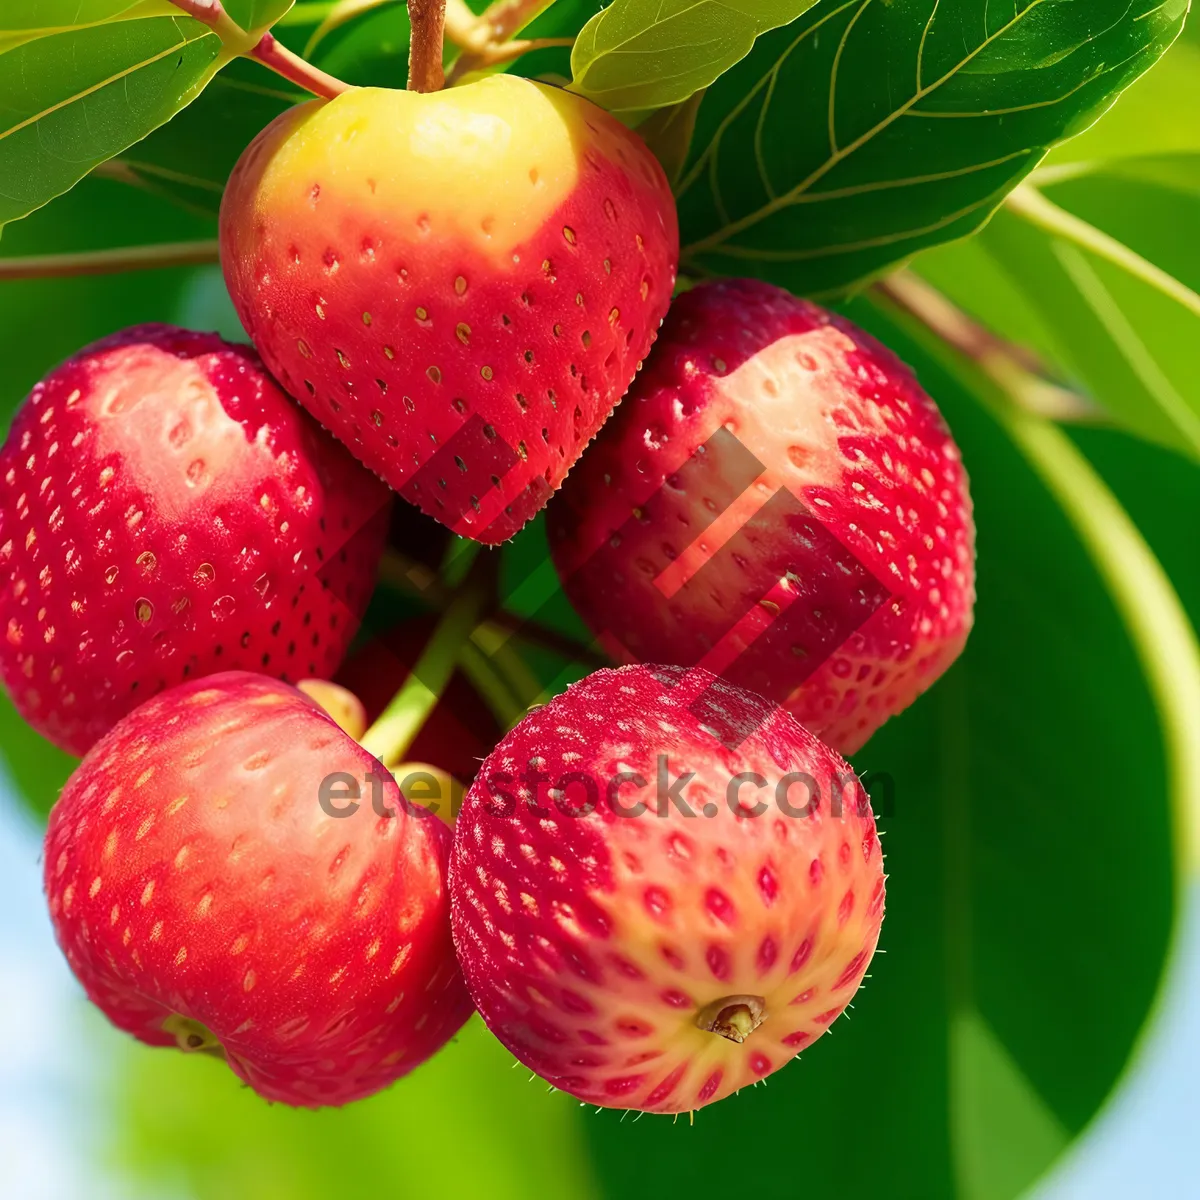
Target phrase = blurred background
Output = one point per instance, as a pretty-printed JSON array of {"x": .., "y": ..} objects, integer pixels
[{"x": 1033, "y": 1027}]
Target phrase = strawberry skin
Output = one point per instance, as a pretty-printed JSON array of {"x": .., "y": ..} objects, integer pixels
[
  {"x": 205, "y": 899},
  {"x": 777, "y": 501},
  {"x": 459, "y": 285},
  {"x": 166, "y": 512},
  {"x": 661, "y": 961}
]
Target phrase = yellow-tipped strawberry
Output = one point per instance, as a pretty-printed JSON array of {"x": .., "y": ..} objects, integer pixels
[{"x": 460, "y": 285}]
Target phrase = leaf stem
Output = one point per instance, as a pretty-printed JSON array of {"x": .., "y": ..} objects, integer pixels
[
  {"x": 274, "y": 54},
  {"x": 107, "y": 262},
  {"x": 425, "y": 48},
  {"x": 263, "y": 47},
  {"x": 212, "y": 13},
  {"x": 398, "y": 725},
  {"x": 1014, "y": 368},
  {"x": 1027, "y": 202}
]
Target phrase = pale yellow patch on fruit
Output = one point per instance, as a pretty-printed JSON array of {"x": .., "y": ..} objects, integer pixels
[
  {"x": 485, "y": 164},
  {"x": 162, "y": 416}
]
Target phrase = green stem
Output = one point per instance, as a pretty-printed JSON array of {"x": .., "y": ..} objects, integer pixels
[
  {"x": 416, "y": 579},
  {"x": 398, "y": 725},
  {"x": 496, "y": 646},
  {"x": 491, "y": 685},
  {"x": 1027, "y": 202},
  {"x": 461, "y": 554}
]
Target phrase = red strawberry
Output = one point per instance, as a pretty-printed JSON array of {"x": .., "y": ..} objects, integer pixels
[
  {"x": 460, "y": 285},
  {"x": 658, "y": 959},
  {"x": 167, "y": 512},
  {"x": 778, "y": 501},
  {"x": 205, "y": 897}
]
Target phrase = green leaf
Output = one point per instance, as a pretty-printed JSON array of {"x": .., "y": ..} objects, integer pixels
[
  {"x": 642, "y": 54},
  {"x": 867, "y": 131},
  {"x": 82, "y": 81},
  {"x": 340, "y": 14},
  {"x": 1110, "y": 303},
  {"x": 1156, "y": 116},
  {"x": 370, "y": 49},
  {"x": 668, "y": 133},
  {"x": 1031, "y": 834},
  {"x": 37, "y": 769}
]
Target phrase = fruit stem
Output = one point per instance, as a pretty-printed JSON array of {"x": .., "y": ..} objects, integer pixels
[
  {"x": 408, "y": 575},
  {"x": 106, "y": 262},
  {"x": 457, "y": 561},
  {"x": 428, "y": 21},
  {"x": 263, "y": 47},
  {"x": 398, "y": 725},
  {"x": 496, "y": 647},
  {"x": 733, "y": 1017},
  {"x": 491, "y": 685},
  {"x": 1022, "y": 376},
  {"x": 295, "y": 69}
]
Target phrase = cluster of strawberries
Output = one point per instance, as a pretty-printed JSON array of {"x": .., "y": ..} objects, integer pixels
[{"x": 663, "y": 883}]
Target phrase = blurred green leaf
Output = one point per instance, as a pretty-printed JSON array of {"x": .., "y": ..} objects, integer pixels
[
  {"x": 370, "y": 49},
  {"x": 1101, "y": 284},
  {"x": 668, "y": 133},
  {"x": 642, "y": 54},
  {"x": 467, "y": 1123},
  {"x": 1031, "y": 836},
  {"x": 80, "y": 82},
  {"x": 37, "y": 769},
  {"x": 864, "y": 132},
  {"x": 1158, "y": 115},
  {"x": 339, "y": 14}
]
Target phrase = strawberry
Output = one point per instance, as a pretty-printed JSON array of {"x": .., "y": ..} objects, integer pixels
[
  {"x": 648, "y": 919},
  {"x": 167, "y": 512},
  {"x": 213, "y": 886},
  {"x": 777, "y": 501},
  {"x": 460, "y": 285}
]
